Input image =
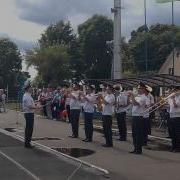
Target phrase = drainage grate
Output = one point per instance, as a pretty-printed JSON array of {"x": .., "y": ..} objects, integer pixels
[
  {"x": 75, "y": 152},
  {"x": 10, "y": 129},
  {"x": 45, "y": 138}
]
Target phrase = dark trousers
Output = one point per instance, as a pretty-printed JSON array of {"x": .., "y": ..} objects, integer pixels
[
  {"x": 175, "y": 133},
  {"x": 170, "y": 126},
  {"x": 55, "y": 111},
  {"x": 88, "y": 124},
  {"x": 121, "y": 121},
  {"x": 44, "y": 108},
  {"x": 137, "y": 133},
  {"x": 146, "y": 122},
  {"x": 68, "y": 112},
  {"x": 29, "y": 117},
  {"x": 74, "y": 117},
  {"x": 107, "y": 128}
]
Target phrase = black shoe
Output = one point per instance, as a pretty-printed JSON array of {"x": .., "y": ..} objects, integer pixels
[
  {"x": 107, "y": 145},
  {"x": 174, "y": 150},
  {"x": 138, "y": 152},
  {"x": 147, "y": 147},
  {"x": 85, "y": 140},
  {"x": 73, "y": 136},
  {"x": 28, "y": 146},
  {"x": 122, "y": 139},
  {"x": 133, "y": 152}
]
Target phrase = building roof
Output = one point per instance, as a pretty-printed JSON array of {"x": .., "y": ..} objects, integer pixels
[
  {"x": 167, "y": 67},
  {"x": 156, "y": 80}
]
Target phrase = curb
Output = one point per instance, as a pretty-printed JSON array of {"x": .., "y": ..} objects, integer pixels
[{"x": 103, "y": 172}]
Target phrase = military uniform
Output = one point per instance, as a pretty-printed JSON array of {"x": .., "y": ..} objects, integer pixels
[
  {"x": 174, "y": 104},
  {"x": 107, "y": 112}
]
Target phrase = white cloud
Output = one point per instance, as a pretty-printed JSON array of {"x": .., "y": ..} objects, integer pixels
[{"x": 15, "y": 27}]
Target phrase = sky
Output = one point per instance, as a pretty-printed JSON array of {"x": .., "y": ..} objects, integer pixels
[{"x": 24, "y": 21}]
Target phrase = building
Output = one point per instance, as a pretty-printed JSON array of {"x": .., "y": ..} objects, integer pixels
[{"x": 167, "y": 67}]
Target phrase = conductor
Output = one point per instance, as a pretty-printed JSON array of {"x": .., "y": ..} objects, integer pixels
[{"x": 28, "y": 109}]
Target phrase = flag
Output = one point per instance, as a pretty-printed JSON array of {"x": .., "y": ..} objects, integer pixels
[{"x": 165, "y": 1}]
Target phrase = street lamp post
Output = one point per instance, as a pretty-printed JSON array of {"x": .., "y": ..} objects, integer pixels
[{"x": 117, "y": 59}]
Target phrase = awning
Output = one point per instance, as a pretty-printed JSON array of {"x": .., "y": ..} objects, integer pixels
[{"x": 162, "y": 80}]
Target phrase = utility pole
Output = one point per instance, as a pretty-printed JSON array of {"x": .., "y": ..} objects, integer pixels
[
  {"x": 117, "y": 59},
  {"x": 146, "y": 31},
  {"x": 173, "y": 39}
]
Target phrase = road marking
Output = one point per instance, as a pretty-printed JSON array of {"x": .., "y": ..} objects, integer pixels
[
  {"x": 20, "y": 166},
  {"x": 58, "y": 154}
]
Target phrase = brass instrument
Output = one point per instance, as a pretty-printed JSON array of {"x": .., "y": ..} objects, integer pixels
[
  {"x": 100, "y": 101},
  {"x": 160, "y": 103}
]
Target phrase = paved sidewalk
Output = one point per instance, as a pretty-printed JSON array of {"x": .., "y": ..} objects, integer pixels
[{"x": 156, "y": 164}]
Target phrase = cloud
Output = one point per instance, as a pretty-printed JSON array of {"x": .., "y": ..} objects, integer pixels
[
  {"x": 45, "y": 12},
  {"x": 15, "y": 27}
]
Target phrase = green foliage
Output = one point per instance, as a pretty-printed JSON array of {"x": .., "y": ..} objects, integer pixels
[
  {"x": 60, "y": 33},
  {"x": 63, "y": 55},
  {"x": 52, "y": 64},
  {"x": 57, "y": 55},
  {"x": 159, "y": 45},
  {"x": 10, "y": 63},
  {"x": 93, "y": 35}
]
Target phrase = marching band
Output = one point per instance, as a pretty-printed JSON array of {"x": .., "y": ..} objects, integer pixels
[{"x": 113, "y": 100}]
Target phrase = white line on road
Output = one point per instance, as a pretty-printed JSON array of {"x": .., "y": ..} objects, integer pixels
[
  {"x": 58, "y": 154},
  {"x": 20, "y": 166}
]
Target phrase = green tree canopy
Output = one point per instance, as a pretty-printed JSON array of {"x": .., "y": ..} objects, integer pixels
[
  {"x": 60, "y": 33},
  {"x": 10, "y": 63},
  {"x": 159, "y": 45},
  {"x": 93, "y": 35},
  {"x": 52, "y": 64}
]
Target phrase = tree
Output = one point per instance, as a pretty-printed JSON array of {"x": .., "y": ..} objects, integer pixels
[
  {"x": 93, "y": 35},
  {"x": 52, "y": 64},
  {"x": 10, "y": 63},
  {"x": 62, "y": 34},
  {"x": 159, "y": 39}
]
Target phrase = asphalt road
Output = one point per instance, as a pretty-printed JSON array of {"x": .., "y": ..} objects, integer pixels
[{"x": 19, "y": 163}]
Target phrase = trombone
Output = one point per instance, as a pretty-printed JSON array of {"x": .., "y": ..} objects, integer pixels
[{"x": 160, "y": 103}]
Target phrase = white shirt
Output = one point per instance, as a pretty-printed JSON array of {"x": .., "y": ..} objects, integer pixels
[
  {"x": 143, "y": 101},
  {"x": 151, "y": 100},
  {"x": 27, "y": 103},
  {"x": 68, "y": 101},
  {"x": 174, "y": 111},
  {"x": 75, "y": 102},
  {"x": 3, "y": 97},
  {"x": 121, "y": 103},
  {"x": 108, "y": 108},
  {"x": 89, "y": 103}
]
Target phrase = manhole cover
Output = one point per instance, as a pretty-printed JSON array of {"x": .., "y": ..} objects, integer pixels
[
  {"x": 75, "y": 152},
  {"x": 45, "y": 138},
  {"x": 10, "y": 129}
]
